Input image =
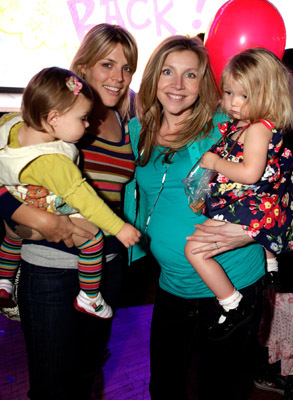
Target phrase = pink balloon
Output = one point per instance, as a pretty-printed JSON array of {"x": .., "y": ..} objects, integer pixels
[{"x": 240, "y": 25}]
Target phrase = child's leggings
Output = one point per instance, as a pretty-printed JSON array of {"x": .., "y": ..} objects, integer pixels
[{"x": 89, "y": 262}]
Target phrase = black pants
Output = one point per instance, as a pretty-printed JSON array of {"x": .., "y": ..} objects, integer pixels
[{"x": 186, "y": 365}]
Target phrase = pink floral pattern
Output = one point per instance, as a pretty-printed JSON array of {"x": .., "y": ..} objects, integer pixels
[{"x": 280, "y": 340}]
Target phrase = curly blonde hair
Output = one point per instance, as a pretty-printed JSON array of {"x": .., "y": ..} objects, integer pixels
[{"x": 267, "y": 84}]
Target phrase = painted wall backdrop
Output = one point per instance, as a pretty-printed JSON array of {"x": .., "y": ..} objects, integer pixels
[{"x": 39, "y": 33}]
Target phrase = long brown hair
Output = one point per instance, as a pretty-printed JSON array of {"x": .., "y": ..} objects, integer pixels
[{"x": 198, "y": 124}]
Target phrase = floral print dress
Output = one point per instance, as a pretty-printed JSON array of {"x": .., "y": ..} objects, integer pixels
[
  {"x": 265, "y": 207},
  {"x": 279, "y": 320}
]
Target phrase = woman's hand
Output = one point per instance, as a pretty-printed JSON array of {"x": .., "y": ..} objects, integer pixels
[
  {"x": 219, "y": 239},
  {"x": 53, "y": 228},
  {"x": 60, "y": 228}
]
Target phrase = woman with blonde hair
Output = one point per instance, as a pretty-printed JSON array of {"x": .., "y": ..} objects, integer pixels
[
  {"x": 65, "y": 347},
  {"x": 177, "y": 124}
]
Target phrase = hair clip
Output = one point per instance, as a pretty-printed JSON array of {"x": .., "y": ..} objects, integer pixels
[{"x": 73, "y": 85}]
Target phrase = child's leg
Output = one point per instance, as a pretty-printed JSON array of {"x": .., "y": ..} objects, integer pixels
[
  {"x": 10, "y": 250},
  {"x": 90, "y": 299},
  {"x": 272, "y": 262},
  {"x": 90, "y": 265},
  {"x": 209, "y": 270},
  {"x": 234, "y": 314}
]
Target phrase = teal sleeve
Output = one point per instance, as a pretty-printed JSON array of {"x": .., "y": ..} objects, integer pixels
[{"x": 134, "y": 214}]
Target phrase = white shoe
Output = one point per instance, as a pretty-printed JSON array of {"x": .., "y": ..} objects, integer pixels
[{"x": 95, "y": 306}]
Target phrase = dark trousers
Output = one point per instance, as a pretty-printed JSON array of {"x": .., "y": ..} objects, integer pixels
[
  {"x": 64, "y": 347},
  {"x": 186, "y": 365}
]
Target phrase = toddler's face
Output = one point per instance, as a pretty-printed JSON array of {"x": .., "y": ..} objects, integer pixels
[
  {"x": 71, "y": 125},
  {"x": 235, "y": 100}
]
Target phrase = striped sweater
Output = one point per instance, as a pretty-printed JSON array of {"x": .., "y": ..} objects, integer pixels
[{"x": 108, "y": 166}]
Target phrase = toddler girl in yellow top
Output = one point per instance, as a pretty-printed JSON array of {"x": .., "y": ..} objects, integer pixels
[{"x": 38, "y": 165}]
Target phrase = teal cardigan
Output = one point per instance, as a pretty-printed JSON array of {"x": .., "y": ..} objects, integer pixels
[{"x": 136, "y": 214}]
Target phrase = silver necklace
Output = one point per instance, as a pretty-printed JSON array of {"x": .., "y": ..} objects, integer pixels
[{"x": 159, "y": 193}]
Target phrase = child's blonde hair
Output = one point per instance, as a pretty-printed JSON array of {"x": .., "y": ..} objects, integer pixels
[
  {"x": 100, "y": 41},
  {"x": 267, "y": 84},
  {"x": 50, "y": 90},
  {"x": 198, "y": 124}
]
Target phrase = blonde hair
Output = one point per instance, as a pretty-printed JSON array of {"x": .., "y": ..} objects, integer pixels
[
  {"x": 267, "y": 84},
  {"x": 100, "y": 41},
  {"x": 198, "y": 124},
  {"x": 48, "y": 91}
]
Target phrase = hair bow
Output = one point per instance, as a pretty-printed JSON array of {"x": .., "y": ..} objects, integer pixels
[{"x": 73, "y": 85}]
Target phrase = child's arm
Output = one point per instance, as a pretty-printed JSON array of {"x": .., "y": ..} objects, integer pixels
[
  {"x": 256, "y": 142},
  {"x": 128, "y": 235},
  {"x": 64, "y": 178}
]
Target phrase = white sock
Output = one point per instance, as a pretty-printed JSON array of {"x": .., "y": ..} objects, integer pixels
[
  {"x": 229, "y": 303},
  {"x": 272, "y": 265}
]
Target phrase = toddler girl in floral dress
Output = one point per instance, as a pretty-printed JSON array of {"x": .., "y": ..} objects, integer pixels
[{"x": 253, "y": 184}]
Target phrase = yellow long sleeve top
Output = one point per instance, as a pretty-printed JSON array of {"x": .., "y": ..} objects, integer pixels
[{"x": 58, "y": 174}]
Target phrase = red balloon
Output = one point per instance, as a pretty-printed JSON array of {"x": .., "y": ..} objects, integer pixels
[{"x": 240, "y": 25}]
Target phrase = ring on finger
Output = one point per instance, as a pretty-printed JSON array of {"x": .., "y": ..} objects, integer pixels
[{"x": 217, "y": 246}]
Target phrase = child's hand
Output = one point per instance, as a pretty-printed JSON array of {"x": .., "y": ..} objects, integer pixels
[
  {"x": 209, "y": 160},
  {"x": 128, "y": 235}
]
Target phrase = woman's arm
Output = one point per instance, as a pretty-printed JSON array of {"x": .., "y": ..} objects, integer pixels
[
  {"x": 256, "y": 143},
  {"x": 44, "y": 225},
  {"x": 220, "y": 239},
  {"x": 53, "y": 228}
]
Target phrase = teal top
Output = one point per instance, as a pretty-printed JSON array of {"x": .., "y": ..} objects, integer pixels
[{"x": 172, "y": 220}]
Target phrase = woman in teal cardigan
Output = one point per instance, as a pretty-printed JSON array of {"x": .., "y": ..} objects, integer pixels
[{"x": 177, "y": 123}]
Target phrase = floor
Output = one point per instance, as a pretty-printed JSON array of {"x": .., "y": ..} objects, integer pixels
[{"x": 126, "y": 371}]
